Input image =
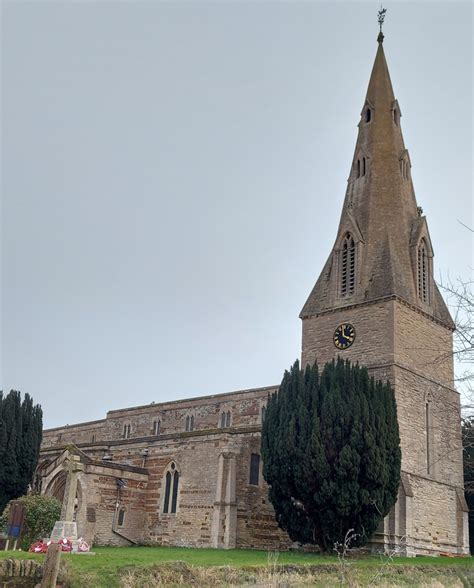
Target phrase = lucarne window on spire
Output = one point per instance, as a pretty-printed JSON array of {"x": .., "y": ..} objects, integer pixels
[
  {"x": 368, "y": 115},
  {"x": 348, "y": 266},
  {"x": 423, "y": 289}
]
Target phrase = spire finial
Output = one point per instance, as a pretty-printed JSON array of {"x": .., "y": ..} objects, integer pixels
[{"x": 381, "y": 18}]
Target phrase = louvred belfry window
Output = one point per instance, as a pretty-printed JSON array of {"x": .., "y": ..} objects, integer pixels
[
  {"x": 348, "y": 268},
  {"x": 423, "y": 292}
]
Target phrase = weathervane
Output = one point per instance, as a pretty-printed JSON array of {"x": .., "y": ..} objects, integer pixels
[{"x": 381, "y": 18}]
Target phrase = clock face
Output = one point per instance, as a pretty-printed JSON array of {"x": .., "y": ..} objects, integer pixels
[{"x": 344, "y": 336}]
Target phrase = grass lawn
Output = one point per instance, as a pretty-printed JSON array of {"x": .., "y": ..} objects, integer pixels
[{"x": 104, "y": 568}]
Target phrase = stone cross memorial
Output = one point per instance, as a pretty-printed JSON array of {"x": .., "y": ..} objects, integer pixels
[{"x": 67, "y": 527}]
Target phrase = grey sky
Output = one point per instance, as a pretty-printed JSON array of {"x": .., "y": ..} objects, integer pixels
[{"x": 173, "y": 175}]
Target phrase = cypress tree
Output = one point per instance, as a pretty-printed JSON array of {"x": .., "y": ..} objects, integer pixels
[
  {"x": 468, "y": 446},
  {"x": 331, "y": 453},
  {"x": 21, "y": 425}
]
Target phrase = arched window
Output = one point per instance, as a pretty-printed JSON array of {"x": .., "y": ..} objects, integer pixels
[
  {"x": 263, "y": 411},
  {"x": 171, "y": 489},
  {"x": 358, "y": 168},
  {"x": 423, "y": 289},
  {"x": 93, "y": 438},
  {"x": 225, "y": 419},
  {"x": 363, "y": 166},
  {"x": 395, "y": 116},
  {"x": 254, "y": 469},
  {"x": 189, "y": 423},
  {"x": 156, "y": 427},
  {"x": 368, "y": 115},
  {"x": 121, "y": 517},
  {"x": 126, "y": 431},
  {"x": 348, "y": 266}
]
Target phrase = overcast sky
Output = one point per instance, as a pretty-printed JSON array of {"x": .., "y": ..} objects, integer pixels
[{"x": 173, "y": 175}]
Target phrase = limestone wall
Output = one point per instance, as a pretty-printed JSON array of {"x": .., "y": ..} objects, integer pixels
[
  {"x": 373, "y": 345},
  {"x": 439, "y": 444},
  {"x": 423, "y": 344},
  {"x": 437, "y": 520}
]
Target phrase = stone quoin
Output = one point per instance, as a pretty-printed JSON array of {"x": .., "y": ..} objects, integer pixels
[{"x": 189, "y": 472}]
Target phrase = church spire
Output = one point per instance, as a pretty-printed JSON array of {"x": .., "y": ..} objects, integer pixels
[{"x": 380, "y": 216}]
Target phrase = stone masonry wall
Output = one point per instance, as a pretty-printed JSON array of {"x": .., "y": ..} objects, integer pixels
[
  {"x": 244, "y": 406},
  {"x": 373, "y": 345},
  {"x": 256, "y": 526},
  {"x": 443, "y": 445},
  {"x": 435, "y": 517},
  {"x": 204, "y": 515},
  {"x": 423, "y": 344}
]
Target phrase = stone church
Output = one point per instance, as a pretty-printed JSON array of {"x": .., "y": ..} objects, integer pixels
[{"x": 189, "y": 472}]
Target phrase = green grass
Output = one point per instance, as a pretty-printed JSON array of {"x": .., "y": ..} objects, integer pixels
[
  {"x": 142, "y": 556},
  {"x": 102, "y": 569}
]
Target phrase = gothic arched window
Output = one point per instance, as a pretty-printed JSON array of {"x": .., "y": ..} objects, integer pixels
[
  {"x": 225, "y": 419},
  {"x": 368, "y": 115},
  {"x": 156, "y": 427},
  {"x": 423, "y": 289},
  {"x": 189, "y": 423},
  {"x": 127, "y": 428},
  {"x": 348, "y": 265},
  {"x": 171, "y": 489}
]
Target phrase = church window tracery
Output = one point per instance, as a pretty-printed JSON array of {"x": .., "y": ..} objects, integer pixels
[
  {"x": 422, "y": 255},
  {"x": 171, "y": 489},
  {"x": 348, "y": 266}
]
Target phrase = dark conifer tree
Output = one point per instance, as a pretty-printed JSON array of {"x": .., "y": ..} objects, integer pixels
[
  {"x": 21, "y": 426},
  {"x": 331, "y": 453},
  {"x": 468, "y": 446}
]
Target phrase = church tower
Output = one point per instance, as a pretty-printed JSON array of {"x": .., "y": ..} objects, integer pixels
[{"x": 376, "y": 302}]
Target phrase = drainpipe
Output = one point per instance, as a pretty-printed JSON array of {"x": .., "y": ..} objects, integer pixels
[{"x": 120, "y": 484}]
